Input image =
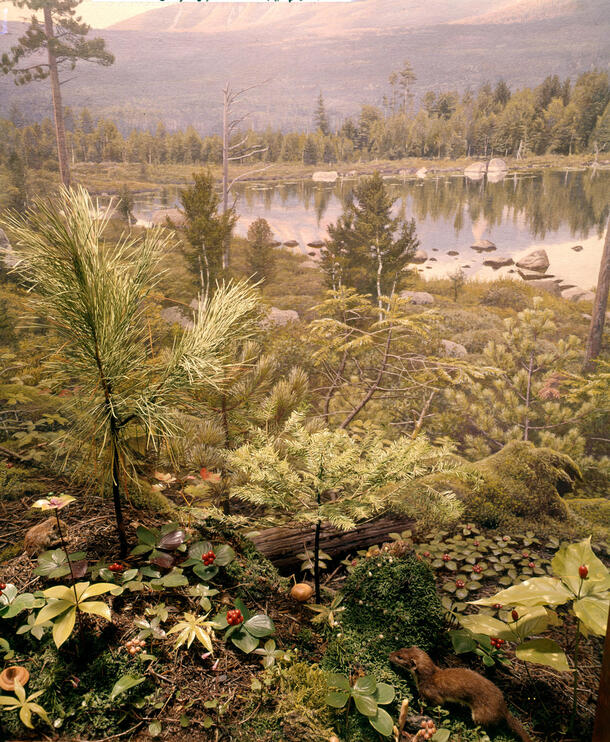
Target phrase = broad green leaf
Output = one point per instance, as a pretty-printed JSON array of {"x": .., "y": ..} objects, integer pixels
[
  {"x": 462, "y": 641},
  {"x": 62, "y": 628},
  {"x": 543, "y": 652},
  {"x": 384, "y": 693},
  {"x": 245, "y": 611},
  {"x": 535, "y": 621},
  {"x": 51, "y": 610},
  {"x": 336, "y": 699},
  {"x": 224, "y": 555},
  {"x": 39, "y": 711},
  {"x": 441, "y": 735},
  {"x": 155, "y": 728},
  {"x": 537, "y": 591},
  {"x": 60, "y": 592},
  {"x": 99, "y": 588},
  {"x": 147, "y": 536},
  {"x": 125, "y": 683},
  {"x": 365, "y": 684},
  {"x": 382, "y": 722},
  {"x": 259, "y": 625},
  {"x": 570, "y": 557},
  {"x": 336, "y": 680},
  {"x": 244, "y": 641},
  {"x": 365, "y": 704},
  {"x": 23, "y": 602},
  {"x": 593, "y": 613},
  {"x": 482, "y": 624},
  {"x": 97, "y": 607},
  {"x": 205, "y": 573}
]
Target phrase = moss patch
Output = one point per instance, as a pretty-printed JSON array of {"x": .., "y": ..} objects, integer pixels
[
  {"x": 17, "y": 482},
  {"x": 519, "y": 481}
]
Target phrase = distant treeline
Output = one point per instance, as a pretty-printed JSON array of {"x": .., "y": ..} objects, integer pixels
[{"x": 555, "y": 117}]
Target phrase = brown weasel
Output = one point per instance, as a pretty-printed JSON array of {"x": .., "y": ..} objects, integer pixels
[
  {"x": 41, "y": 536},
  {"x": 458, "y": 685}
]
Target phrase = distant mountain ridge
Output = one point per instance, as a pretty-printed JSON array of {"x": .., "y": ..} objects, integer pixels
[{"x": 177, "y": 77}]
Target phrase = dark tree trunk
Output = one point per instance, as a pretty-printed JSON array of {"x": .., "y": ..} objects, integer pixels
[
  {"x": 596, "y": 331},
  {"x": 602, "y": 716},
  {"x": 58, "y": 111}
]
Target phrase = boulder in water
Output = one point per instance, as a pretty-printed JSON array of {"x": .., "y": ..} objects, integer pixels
[
  {"x": 420, "y": 257},
  {"x": 316, "y": 243},
  {"x": 453, "y": 252},
  {"x": 537, "y": 260},
  {"x": 421, "y": 173},
  {"x": 483, "y": 246},
  {"x": 291, "y": 243},
  {"x": 496, "y": 263},
  {"x": 497, "y": 165},
  {"x": 533, "y": 275},
  {"x": 475, "y": 171},
  {"x": 577, "y": 248},
  {"x": 325, "y": 176}
]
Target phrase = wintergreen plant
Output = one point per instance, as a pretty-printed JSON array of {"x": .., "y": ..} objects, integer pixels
[
  {"x": 368, "y": 696},
  {"x": 97, "y": 298}
]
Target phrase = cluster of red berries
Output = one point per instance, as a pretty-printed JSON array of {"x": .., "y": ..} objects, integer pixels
[
  {"x": 476, "y": 543},
  {"x": 133, "y": 646},
  {"x": 477, "y": 568},
  {"x": 514, "y": 615},
  {"x": 531, "y": 565},
  {"x": 116, "y": 567},
  {"x": 426, "y": 554},
  {"x": 459, "y": 583},
  {"x": 2, "y": 586},
  {"x": 497, "y": 643},
  {"x": 497, "y": 606},
  {"x": 234, "y": 617},
  {"x": 446, "y": 557},
  {"x": 209, "y": 558},
  {"x": 525, "y": 554},
  {"x": 427, "y": 731},
  {"x": 583, "y": 571}
]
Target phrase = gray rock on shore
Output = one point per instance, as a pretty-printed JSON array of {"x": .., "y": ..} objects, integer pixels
[
  {"x": 417, "y": 297},
  {"x": 496, "y": 263},
  {"x": 453, "y": 350},
  {"x": 537, "y": 260}
]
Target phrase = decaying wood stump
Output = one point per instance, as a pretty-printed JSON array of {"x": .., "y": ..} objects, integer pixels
[{"x": 282, "y": 544}]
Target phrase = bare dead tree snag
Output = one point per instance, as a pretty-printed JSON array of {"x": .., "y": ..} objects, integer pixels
[{"x": 598, "y": 317}]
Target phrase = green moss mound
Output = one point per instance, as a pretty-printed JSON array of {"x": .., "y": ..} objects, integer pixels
[
  {"x": 389, "y": 603},
  {"x": 15, "y": 482},
  {"x": 519, "y": 481}
]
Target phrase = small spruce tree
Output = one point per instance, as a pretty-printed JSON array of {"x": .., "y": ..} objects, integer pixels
[
  {"x": 261, "y": 253},
  {"x": 322, "y": 477}
]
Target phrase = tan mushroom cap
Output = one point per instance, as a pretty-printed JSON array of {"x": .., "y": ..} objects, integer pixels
[{"x": 10, "y": 674}]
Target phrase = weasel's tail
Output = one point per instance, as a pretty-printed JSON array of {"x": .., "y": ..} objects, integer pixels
[{"x": 517, "y": 727}]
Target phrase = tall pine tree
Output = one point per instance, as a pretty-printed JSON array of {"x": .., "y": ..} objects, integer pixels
[
  {"x": 321, "y": 117},
  {"x": 261, "y": 253},
  {"x": 61, "y": 34}
]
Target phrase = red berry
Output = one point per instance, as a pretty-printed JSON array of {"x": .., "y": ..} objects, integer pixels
[
  {"x": 477, "y": 568},
  {"x": 497, "y": 606},
  {"x": 514, "y": 615},
  {"x": 583, "y": 571},
  {"x": 459, "y": 583},
  {"x": 505, "y": 538},
  {"x": 476, "y": 543},
  {"x": 426, "y": 554},
  {"x": 446, "y": 557},
  {"x": 531, "y": 565},
  {"x": 525, "y": 554},
  {"x": 116, "y": 567},
  {"x": 2, "y": 585}
]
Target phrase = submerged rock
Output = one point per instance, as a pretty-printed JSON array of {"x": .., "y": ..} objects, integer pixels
[
  {"x": 315, "y": 243},
  {"x": 483, "y": 246},
  {"x": 325, "y": 176},
  {"x": 475, "y": 171},
  {"x": 577, "y": 248},
  {"x": 291, "y": 243},
  {"x": 453, "y": 252}
]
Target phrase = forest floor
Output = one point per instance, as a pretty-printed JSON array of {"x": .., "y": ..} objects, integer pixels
[{"x": 228, "y": 696}]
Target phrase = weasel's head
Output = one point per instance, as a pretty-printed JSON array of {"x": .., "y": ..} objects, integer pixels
[{"x": 411, "y": 658}]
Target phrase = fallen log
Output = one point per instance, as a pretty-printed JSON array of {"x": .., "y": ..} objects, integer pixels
[{"x": 282, "y": 543}]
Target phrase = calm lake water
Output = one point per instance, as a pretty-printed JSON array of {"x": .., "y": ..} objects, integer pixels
[{"x": 553, "y": 209}]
